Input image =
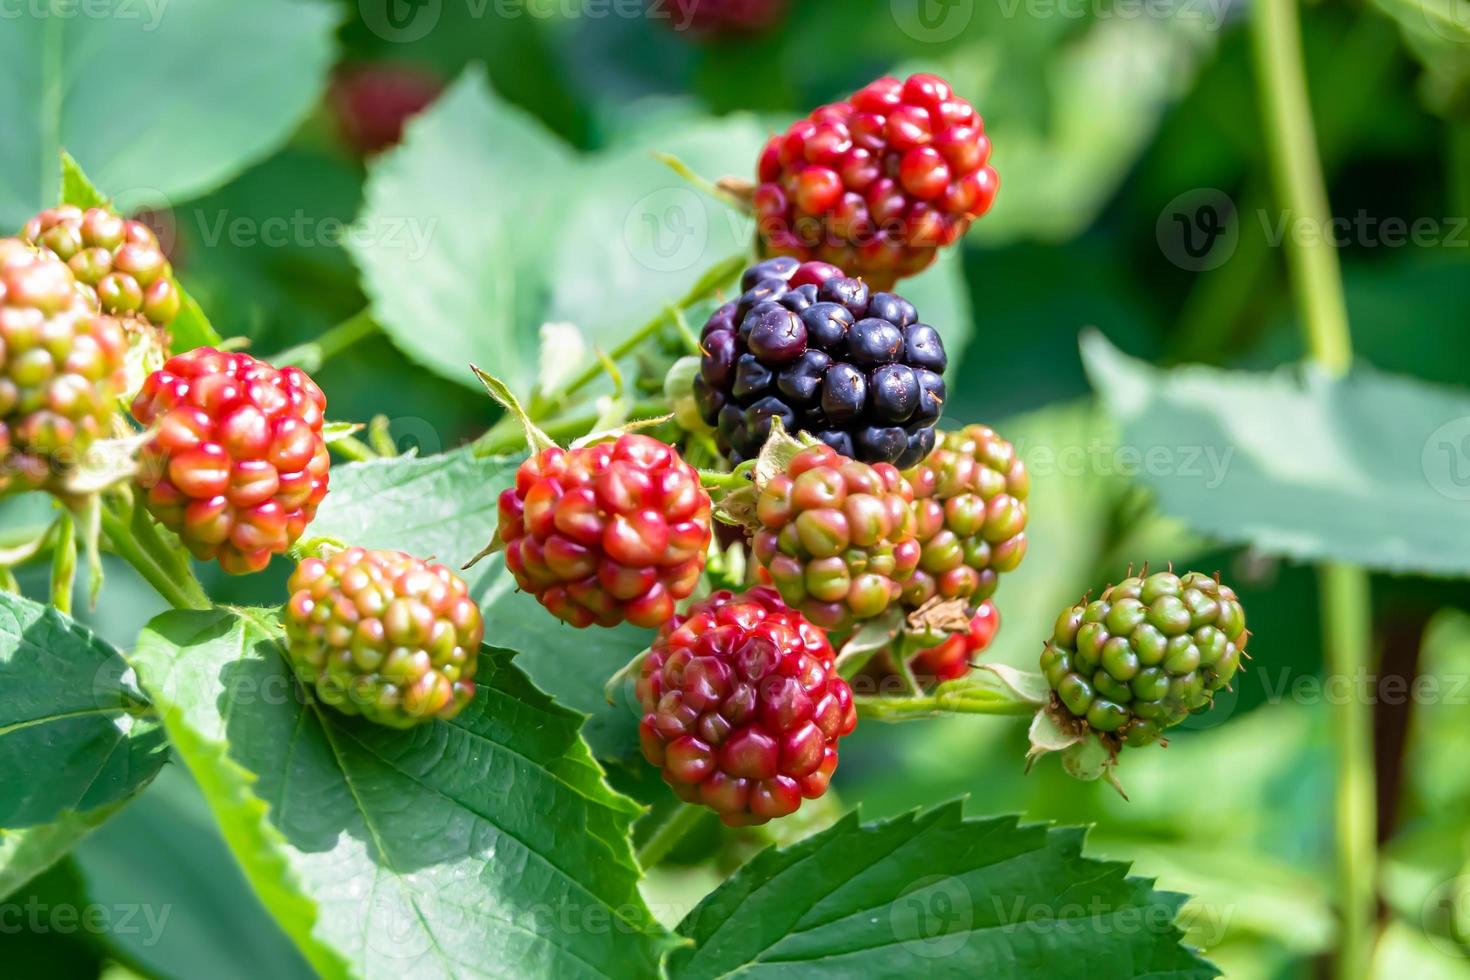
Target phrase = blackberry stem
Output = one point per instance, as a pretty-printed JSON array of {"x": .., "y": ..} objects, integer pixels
[
  {"x": 158, "y": 566},
  {"x": 64, "y": 562},
  {"x": 1346, "y": 594},
  {"x": 668, "y": 834},
  {"x": 881, "y": 708},
  {"x": 311, "y": 355}
]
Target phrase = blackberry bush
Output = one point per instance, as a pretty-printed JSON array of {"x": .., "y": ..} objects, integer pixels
[
  {"x": 1135, "y": 661},
  {"x": 816, "y": 349},
  {"x": 742, "y": 709},
  {"x": 877, "y": 183},
  {"x": 237, "y": 465},
  {"x": 609, "y": 532},
  {"x": 384, "y": 635}
]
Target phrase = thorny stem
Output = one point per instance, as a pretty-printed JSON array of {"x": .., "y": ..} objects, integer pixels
[
  {"x": 1346, "y": 595},
  {"x": 311, "y": 355},
  {"x": 668, "y": 834}
]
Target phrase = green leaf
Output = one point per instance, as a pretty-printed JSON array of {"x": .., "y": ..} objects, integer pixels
[
  {"x": 163, "y": 855},
  {"x": 26, "y": 853},
  {"x": 1372, "y": 469},
  {"x": 936, "y": 893},
  {"x": 457, "y": 269},
  {"x": 422, "y": 853},
  {"x": 73, "y": 735},
  {"x": 160, "y": 105},
  {"x": 1439, "y": 726},
  {"x": 446, "y": 507},
  {"x": 191, "y": 327}
]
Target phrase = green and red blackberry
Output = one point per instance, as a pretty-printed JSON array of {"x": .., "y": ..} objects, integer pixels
[
  {"x": 1150, "y": 651},
  {"x": 970, "y": 511},
  {"x": 384, "y": 635},
  {"x": 816, "y": 349},
  {"x": 836, "y": 536},
  {"x": 952, "y": 658},
  {"x": 61, "y": 368},
  {"x": 878, "y": 183},
  {"x": 237, "y": 465},
  {"x": 118, "y": 259},
  {"x": 607, "y": 532},
  {"x": 743, "y": 707}
]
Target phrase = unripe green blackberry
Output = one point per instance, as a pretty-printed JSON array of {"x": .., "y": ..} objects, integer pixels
[
  {"x": 120, "y": 260},
  {"x": 1136, "y": 661},
  {"x": 61, "y": 368},
  {"x": 384, "y": 635},
  {"x": 836, "y": 536},
  {"x": 970, "y": 515}
]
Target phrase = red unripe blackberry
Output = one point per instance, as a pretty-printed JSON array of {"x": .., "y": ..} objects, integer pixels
[
  {"x": 836, "y": 536},
  {"x": 607, "y": 532},
  {"x": 237, "y": 466},
  {"x": 950, "y": 659},
  {"x": 372, "y": 103},
  {"x": 384, "y": 635},
  {"x": 61, "y": 368},
  {"x": 879, "y": 183},
  {"x": 117, "y": 259},
  {"x": 743, "y": 707}
]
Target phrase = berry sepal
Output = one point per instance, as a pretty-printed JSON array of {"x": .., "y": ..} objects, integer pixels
[{"x": 1085, "y": 754}]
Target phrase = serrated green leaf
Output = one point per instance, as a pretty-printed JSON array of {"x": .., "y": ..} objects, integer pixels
[
  {"x": 419, "y": 853},
  {"x": 1372, "y": 469},
  {"x": 73, "y": 730},
  {"x": 934, "y": 893},
  {"x": 28, "y": 852},
  {"x": 159, "y": 101},
  {"x": 457, "y": 269},
  {"x": 446, "y": 507}
]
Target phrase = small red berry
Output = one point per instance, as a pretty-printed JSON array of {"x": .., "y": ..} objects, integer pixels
[
  {"x": 878, "y": 183},
  {"x": 374, "y": 102},
  {"x": 237, "y": 465},
  {"x": 743, "y": 707},
  {"x": 950, "y": 659},
  {"x": 608, "y": 532}
]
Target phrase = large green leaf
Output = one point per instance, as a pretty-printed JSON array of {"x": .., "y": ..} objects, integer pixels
[
  {"x": 163, "y": 854},
  {"x": 446, "y": 507},
  {"x": 455, "y": 234},
  {"x": 939, "y": 894},
  {"x": 73, "y": 730},
  {"x": 419, "y": 853},
  {"x": 158, "y": 101},
  {"x": 28, "y": 852},
  {"x": 1371, "y": 469}
]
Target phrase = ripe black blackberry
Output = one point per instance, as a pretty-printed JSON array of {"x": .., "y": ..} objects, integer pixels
[{"x": 811, "y": 346}]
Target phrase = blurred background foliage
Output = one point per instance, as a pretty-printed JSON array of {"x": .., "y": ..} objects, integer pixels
[{"x": 221, "y": 128}]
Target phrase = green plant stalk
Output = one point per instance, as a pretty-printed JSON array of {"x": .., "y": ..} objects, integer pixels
[
  {"x": 882, "y": 708},
  {"x": 156, "y": 563},
  {"x": 311, "y": 355},
  {"x": 1345, "y": 591},
  {"x": 506, "y": 435},
  {"x": 668, "y": 834},
  {"x": 64, "y": 562}
]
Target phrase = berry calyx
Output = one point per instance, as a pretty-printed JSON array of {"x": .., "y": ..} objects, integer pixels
[
  {"x": 970, "y": 515},
  {"x": 384, "y": 635},
  {"x": 951, "y": 658},
  {"x": 836, "y": 536},
  {"x": 1134, "y": 662},
  {"x": 818, "y": 350},
  {"x": 119, "y": 260},
  {"x": 238, "y": 465},
  {"x": 743, "y": 707},
  {"x": 878, "y": 183},
  {"x": 61, "y": 368},
  {"x": 609, "y": 532},
  {"x": 373, "y": 102}
]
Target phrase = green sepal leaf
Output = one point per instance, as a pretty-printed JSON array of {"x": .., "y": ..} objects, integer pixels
[
  {"x": 420, "y": 853},
  {"x": 74, "y": 728},
  {"x": 1371, "y": 469},
  {"x": 934, "y": 893}
]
